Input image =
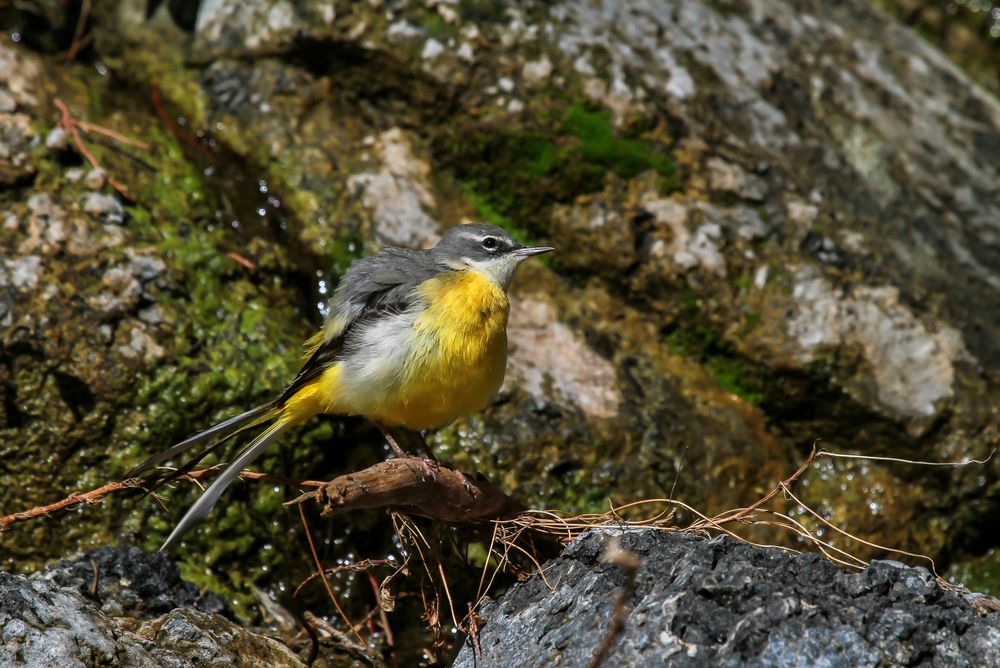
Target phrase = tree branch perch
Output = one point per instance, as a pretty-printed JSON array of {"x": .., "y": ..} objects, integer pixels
[{"x": 414, "y": 486}]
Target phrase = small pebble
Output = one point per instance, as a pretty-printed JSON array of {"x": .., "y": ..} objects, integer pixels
[
  {"x": 57, "y": 139},
  {"x": 95, "y": 179}
]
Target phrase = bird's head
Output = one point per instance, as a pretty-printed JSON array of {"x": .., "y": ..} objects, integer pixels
[{"x": 488, "y": 249}]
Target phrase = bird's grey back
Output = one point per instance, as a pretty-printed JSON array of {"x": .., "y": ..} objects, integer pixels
[{"x": 382, "y": 282}]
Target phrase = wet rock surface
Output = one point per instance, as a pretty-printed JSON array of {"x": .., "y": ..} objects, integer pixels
[
  {"x": 53, "y": 618},
  {"x": 775, "y": 222},
  {"x": 700, "y": 602},
  {"x": 127, "y": 581}
]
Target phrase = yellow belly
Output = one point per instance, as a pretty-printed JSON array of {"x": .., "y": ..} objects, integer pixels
[{"x": 458, "y": 353}]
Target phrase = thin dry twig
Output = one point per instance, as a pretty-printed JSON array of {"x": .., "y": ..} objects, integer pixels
[
  {"x": 858, "y": 539},
  {"x": 111, "y": 134},
  {"x": 242, "y": 261},
  {"x": 73, "y": 127},
  {"x": 447, "y": 593},
  {"x": 841, "y": 455},
  {"x": 73, "y": 500},
  {"x": 565, "y": 527},
  {"x": 81, "y": 25},
  {"x": 474, "y": 631},
  {"x": 382, "y": 616},
  {"x": 96, "y": 495},
  {"x": 314, "y": 623},
  {"x": 357, "y": 567},
  {"x": 326, "y": 583}
]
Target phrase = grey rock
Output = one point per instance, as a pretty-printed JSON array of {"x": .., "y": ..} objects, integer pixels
[
  {"x": 127, "y": 581},
  {"x": 104, "y": 207},
  {"x": 95, "y": 179},
  {"x": 49, "y": 619},
  {"x": 718, "y": 602},
  {"x": 57, "y": 139},
  {"x": 16, "y": 141}
]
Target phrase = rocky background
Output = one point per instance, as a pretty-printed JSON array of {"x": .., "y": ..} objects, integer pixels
[{"x": 776, "y": 222}]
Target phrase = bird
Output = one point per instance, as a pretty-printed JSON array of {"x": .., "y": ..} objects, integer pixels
[{"x": 413, "y": 338}]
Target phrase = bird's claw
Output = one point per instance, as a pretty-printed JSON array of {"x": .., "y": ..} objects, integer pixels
[
  {"x": 429, "y": 466},
  {"x": 466, "y": 483}
]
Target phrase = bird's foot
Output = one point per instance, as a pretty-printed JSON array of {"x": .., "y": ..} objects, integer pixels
[
  {"x": 429, "y": 466},
  {"x": 466, "y": 483}
]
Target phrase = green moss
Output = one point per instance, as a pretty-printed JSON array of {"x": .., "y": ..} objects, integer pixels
[
  {"x": 600, "y": 145},
  {"x": 979, "y": 574},
  {"x": 969, "y": 33},
  {"x": 482, "y": 11},
  {"x": 579, "y": 494},
  {"x": 514, "y": 176},
  {"x": 733, "y": 373},
  {"x": 489, "y": 214},
  {"x": 750, "y": 322},
  {"x": 743, "y": 281},
  {"x": 177, "y": 193},
  {"x": 437, "y": 28},
  {"x": 732, "y": 376},
  {"x": 535, "y": 154}
]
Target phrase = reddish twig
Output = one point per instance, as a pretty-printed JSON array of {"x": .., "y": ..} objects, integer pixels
[
  {"x": 474, "y": 632},
  {"x": 73, "y": 500},
  {"x": 172, "y": 126},
  {"x": 107, "y": 132},
  {"x": 326, "y": 583},
  {"x": 72, "y": 126},
  {"x": 95, "y": 495},
  {"x": 357, "y": 567},
  {"x": 81, "y": 25},
  {"x": 242, "y": 260}
]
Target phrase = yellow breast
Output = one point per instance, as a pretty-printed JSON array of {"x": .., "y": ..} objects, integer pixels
[{"x": 458, "y": 354}]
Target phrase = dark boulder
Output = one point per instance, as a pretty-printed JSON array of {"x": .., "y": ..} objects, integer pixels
[
  {"x": 718, "y": 602},
  {"x": 53, "y": 618}
]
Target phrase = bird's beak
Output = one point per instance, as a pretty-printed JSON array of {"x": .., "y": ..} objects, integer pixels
[{"x": 534, "y": 250}]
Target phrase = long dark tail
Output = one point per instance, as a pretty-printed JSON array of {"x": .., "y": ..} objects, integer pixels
[
  {"x": 210, "y": 496},
  {"x": 224, "y": 429}
]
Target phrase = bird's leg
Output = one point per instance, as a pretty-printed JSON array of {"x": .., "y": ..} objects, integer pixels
[
  {"x": 423, "y": 446},
  {"x": 427, "y": 464},
  {"x": 430, "y": 454},
  {"x": 390, "y": 439}
]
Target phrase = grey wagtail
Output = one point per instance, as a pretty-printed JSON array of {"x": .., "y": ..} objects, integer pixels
[{"x": 413, "y": 338}]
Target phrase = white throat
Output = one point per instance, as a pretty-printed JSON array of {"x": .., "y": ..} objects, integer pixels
[{"x": 500, "y": 270}]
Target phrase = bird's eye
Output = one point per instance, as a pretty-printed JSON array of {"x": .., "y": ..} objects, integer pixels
[{"x": 490, "y": 243}]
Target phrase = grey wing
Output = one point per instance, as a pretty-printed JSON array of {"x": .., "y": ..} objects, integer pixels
[{"x": 375, "y": 285}]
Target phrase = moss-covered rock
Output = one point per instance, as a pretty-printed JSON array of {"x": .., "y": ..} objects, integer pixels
[{"x": 774, "y": 225}]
